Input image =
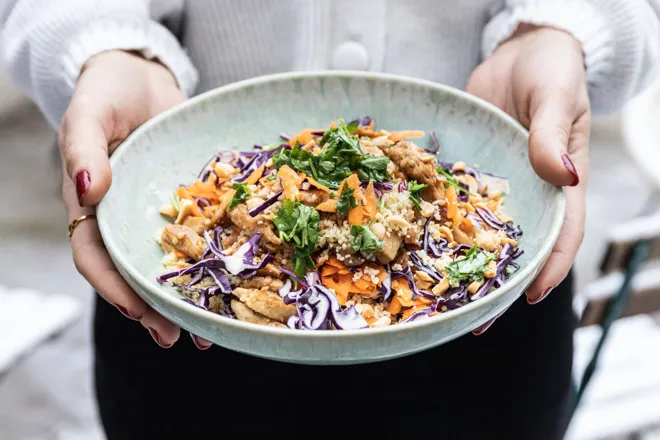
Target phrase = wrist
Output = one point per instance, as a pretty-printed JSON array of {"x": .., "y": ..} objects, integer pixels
[
  {"x": 152, "y": 67},
  {"x": 527, "y": 34}
]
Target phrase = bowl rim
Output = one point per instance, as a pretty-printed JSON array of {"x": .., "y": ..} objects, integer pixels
[{"x": 163, "y": 295}]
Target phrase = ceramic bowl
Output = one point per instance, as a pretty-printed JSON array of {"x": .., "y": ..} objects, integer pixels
[{"x": 171, "y": 148}]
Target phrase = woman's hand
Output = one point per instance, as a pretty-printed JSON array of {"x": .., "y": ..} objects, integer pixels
[
  {"x": 538, "y": 77},
  {"x": 116, "y": 92}
]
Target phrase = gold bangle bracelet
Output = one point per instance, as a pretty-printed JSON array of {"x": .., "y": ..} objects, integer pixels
[{"x": 77, "y": 221}]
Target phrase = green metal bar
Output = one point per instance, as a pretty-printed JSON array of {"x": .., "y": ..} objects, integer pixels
[{"x": 616, "y": 306}]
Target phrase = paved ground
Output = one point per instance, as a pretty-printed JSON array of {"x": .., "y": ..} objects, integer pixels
[{"x": 48, "y": 394}]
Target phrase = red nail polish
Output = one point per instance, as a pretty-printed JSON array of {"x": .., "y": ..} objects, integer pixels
[
  {"x": 199, "y": 343},
  {"x": 126, "y": 313},
  {"x": 154, "y": 334},
  {"x": 483, "y": 328},
  {"x": 545, "y": 293},
  {"x": 83, "y": 181},
  {"x": 568, "y": 163}
]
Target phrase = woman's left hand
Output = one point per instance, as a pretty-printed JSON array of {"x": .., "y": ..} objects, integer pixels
[{"x": 538, "y": 77}]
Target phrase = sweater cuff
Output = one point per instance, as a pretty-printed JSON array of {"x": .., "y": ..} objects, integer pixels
[
  {"x": 150, "y": 38},
  {"x": 610, "y": 62}
]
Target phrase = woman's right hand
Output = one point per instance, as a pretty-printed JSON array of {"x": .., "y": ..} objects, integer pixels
[{"x": 116, "y": 92}]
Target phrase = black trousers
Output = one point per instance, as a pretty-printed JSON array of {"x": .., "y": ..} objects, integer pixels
[{"x": 512, "y": 382}]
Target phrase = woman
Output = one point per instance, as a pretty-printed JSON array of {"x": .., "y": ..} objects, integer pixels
[{"x": 100, "y": 69}]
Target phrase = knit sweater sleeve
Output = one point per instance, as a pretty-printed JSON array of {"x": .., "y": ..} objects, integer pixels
[
  {"x": 620, "y": 40},
  {"x": 45, "y": 43}
]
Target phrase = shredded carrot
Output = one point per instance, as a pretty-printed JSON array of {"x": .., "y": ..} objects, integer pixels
[
  {"x": 370, "y": 206},
  {"x": 317, "y": 184},
  {"x": 408, "y": 312},
  {"x": 466, "y": 224},
  {"x": 255, "y": 175},
  {"x": 394, "y": 307},
  {"x": 452, "y": 202},
  {"x": 183, "y": 193},
  {"x": 403, "y": 292},
  {"x": 303, "y": 137},
  {"x": 291, "y": 182},
  {"x": 341, "y": 284},
  {"x": 356, "y": 216},
  {"x": 334, "y": 261},
  {"x": 329, "y": 205},
  {"x": 179, "y": 253},
  {"x": 353, "y": 183},
  {"x": 226, "y": 197},
  {"x": 309, "y": 145},
  {"x": 397, "y": 136}
]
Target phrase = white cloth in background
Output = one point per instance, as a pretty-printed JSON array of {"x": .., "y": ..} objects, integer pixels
[
  {"x": 28, "y": 318},
  {"x": 45, "y": 43}
]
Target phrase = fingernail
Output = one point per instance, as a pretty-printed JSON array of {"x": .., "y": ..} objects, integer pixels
[
  {"x": 83, "y": 181},
  {"x": 200, "y": 343},
  {"x": 568, "y": 163},
  {"x": 126, "y": 313},
  {"x": 483, "y": 328},
  {"x": 154, "y": 334},
  {"x": 545, "y": 293}
]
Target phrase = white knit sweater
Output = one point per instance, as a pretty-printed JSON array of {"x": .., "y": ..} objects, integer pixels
[{"x": 207, "y": 43}]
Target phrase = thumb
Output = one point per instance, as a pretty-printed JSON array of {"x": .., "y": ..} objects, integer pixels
[
  {"x": 549, "y": 135},
  {"x": 84, "y": 149}
]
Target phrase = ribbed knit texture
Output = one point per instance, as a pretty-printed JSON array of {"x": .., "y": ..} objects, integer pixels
[{"x": 46, "y": 42}]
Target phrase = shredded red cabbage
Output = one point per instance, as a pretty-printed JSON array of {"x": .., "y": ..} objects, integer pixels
[
  {"x": 408, "y": 275},
  {"x": 403, "y": 185},
  {"x": 426, "y": 313},
  {"x": 420, "y": 265},
  {"x": 295, "y": 277},
  {"x": 257, "y": 158},
  {"x": 436, "y": 144},
  {"x": 385, "y": 288},
  {"x": 285, "y": 137},
  {"x": 433, "y": 248},
  {"x": 379, "y": 187},
  {"x": 318, "y": 308},
  {"x": 261, "y": 208}
]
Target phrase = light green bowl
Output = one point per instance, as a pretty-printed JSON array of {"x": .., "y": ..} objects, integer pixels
[{"x": 171, "y": 148}]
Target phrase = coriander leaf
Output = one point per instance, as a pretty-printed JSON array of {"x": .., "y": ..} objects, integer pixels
[
  {"x": 340, "y": 155},
  {"x": 471, "y": 267},
  {"x": 346, "y": 201},
  {"x": 242, "y": 192},
  {"x": 272, "y": 177},
  {"x": 452, "y": 181},
  {"x": 415, "y": 188},
  {"x": 271, "y": 146},
  {"x": 364, "y": 240},
  {"x": 352, "y": 127},
  {"x": 298, "y": 226},
  {"x": 176, "y": 202}
]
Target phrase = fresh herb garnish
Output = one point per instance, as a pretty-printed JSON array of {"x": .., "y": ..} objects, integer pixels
[
  {"x": 176, "y": 202},
  {"x": 271, "y": 146},
  {"x": 242, "y": 192},
  {"x": 271, "y": 177},
  {"x": 339, "y": 157},
  {"x": 346, "y": 201},
  {"x": 471, "y": 267},
  {"x": 298, "y": 225},
  {"x": 364, "y": 240},
  {"x": 415, "y": 188},
  {"x": 452, "y": 181}
]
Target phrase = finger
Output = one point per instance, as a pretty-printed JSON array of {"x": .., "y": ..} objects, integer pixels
[
  {"x": 201, "y": 343},
  {"x": 164, "y": 332},
  {"x": 563, "y": 254},
  {"x": 552, "y": 116},
  {"x": 83, "y": 144},
  {"x": 481, "y": 329},
  {"x": 95, "y": 265}
]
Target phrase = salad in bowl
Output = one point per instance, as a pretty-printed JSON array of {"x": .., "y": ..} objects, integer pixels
[{"x": 341, "y": 228}]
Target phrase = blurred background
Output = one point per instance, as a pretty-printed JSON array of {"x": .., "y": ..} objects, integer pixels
[{"x": 45, "y": 306}]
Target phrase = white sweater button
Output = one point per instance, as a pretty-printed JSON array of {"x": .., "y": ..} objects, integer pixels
[{"x": 350, "y": 55}]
